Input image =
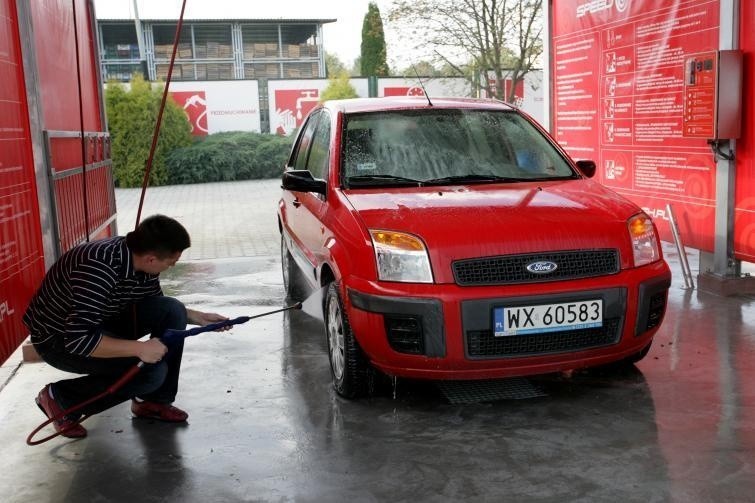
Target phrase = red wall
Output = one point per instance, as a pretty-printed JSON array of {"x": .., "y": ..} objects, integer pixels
[
  {"x": 618, "y": 95},
  {"x": 22, "y": 263},
  {"x": 21, "y": 255},
  {"x": 744, "y": 213},
  {"x": 56, "y": 63}
]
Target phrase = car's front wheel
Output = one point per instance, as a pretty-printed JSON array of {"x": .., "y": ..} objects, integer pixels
[{"x": 348, "y": 364}]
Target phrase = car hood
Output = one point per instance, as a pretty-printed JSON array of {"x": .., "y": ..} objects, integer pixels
[{"x": 461, "y": 222}]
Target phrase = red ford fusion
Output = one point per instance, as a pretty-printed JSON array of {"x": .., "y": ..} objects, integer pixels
[{"x": 457, "y": 240}]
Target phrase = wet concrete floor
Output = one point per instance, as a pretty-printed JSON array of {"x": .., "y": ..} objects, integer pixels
[{"x": 266, "y": 425}]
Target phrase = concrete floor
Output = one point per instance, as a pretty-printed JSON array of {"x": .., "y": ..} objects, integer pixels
[{"x": 266, "y": 425}]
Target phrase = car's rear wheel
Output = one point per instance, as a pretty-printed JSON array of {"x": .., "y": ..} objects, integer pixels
[
  {"x": 292, "y": 277},
  {"x": 348, "y": 364}
]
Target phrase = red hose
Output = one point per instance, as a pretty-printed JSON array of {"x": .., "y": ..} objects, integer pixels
[{"x": 130, "y": 373}]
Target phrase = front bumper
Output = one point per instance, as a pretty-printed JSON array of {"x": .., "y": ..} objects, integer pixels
[{"x": 445, "y": 331}]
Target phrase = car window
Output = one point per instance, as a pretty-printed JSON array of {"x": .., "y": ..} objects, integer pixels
[
  {"x": 300, "y": 155},
  {"x": 433, "y": 145},
  {"x": 319, "y": 152}
]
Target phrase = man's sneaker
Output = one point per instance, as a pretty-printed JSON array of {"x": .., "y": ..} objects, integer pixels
[
  {"x": 66, "y": 427},
  {"x": 160, "y": 411}
]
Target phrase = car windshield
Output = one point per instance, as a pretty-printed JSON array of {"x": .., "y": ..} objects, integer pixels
[{"x": 445, "y": 146}]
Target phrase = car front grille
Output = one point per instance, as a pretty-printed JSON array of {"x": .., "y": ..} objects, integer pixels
[
  {"x": 508, "y": 269},
  {"x": 483, "y": 344}
]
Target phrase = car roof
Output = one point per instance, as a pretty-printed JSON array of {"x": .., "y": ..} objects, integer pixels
[{"x": 361, "y": 105}]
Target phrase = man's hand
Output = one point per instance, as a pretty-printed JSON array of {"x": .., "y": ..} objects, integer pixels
[
  {"x": 202, "y": 319},
  {"x": 151, "y": 351}
]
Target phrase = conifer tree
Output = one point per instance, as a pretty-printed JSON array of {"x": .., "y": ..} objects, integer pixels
[{"x": 373, "y": 56}]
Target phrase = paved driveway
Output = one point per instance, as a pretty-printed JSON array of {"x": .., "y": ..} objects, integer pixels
[{"x": 226, "y": 219}]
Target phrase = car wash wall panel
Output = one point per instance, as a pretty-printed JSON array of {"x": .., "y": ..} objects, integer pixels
[
  {"x": 43, "y": 208},
  {"x": 617, "y": 97},
  {"x": 744, "y": 201},
  {"x": 81, "y": 209},
  {"x": 22, "y": 262}
]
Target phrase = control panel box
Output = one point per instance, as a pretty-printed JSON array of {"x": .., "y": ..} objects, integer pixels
[{"x": 713, "y": 95}]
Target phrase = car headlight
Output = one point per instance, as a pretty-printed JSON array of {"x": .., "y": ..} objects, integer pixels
[
  {"x": 644, "y": 240},
  {"x": 401, "y": 257}
]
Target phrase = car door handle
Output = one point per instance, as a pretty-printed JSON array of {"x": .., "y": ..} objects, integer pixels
[{"x": 296, "y": 203}]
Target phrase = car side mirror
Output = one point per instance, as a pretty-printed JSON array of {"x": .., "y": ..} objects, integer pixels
[
  {"x": 301, "y": 180},
  {"x": 587, "y": 168}
]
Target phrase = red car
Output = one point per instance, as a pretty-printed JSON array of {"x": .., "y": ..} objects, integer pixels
[{"x": 457, "y": 240}]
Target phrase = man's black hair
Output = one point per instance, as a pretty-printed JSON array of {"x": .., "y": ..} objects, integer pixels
[{"x": 159, "y": 235}]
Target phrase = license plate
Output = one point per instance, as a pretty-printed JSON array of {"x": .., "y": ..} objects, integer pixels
[{"x": 520, "y": 320}]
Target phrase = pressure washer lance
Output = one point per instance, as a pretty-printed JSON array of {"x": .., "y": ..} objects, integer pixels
[{"x": 169, "y": 337}]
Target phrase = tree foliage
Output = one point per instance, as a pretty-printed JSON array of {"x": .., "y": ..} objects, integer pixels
[
  {"x": 132, "y": 114},
  {"x": 428, "y": 69},
  {"x": 333, "y": 65},
  {"x": 373, "y": 55},
  {"x": 229, "y": 156},
  {"x": 338, "y": 88},
  {"x": 498, "y": 36}
]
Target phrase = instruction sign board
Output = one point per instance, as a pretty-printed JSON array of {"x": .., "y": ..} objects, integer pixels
[{"x": 618, "y": 98}]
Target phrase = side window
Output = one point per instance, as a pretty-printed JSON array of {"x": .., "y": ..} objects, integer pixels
[
  {"x": 299, "y": 158},
  {"x": 319, "y": 154}
]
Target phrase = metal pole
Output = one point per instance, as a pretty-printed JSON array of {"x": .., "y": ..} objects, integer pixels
[
  {"x": 724, "y": 263},
  {"x": 140, "y": 41},
  {"x": 686, "y": 272}
]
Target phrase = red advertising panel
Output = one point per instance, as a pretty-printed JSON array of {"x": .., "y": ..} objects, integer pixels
[
  {"x": 292, "y": 107},
  {"x": 194, "y": 105},
  {"x": 21, "y": 255},
  {"x": 744, "y": 201},
  {"x": 403, "y": 91},
  {"x": 618, "y": 98}
]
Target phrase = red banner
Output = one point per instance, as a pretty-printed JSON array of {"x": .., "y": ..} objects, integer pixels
[
  {"x": 744, "y": 201},
  {"x": 618, "y": 98}
]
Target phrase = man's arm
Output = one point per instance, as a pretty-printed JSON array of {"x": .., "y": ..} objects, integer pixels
[{"x": 200, "y": 318}]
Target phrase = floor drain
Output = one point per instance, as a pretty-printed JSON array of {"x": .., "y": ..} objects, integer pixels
[{"x": 516, "y": 388}]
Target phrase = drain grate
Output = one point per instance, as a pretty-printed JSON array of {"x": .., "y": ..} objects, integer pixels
[{"x": 464, "y": 392}]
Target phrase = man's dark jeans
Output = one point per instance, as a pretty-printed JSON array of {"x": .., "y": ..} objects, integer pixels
[{"x": 155, "y": 382}]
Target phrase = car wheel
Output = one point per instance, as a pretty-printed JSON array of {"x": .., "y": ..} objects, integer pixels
[
  {"x": 292, "y": 280},
  {"x": 348, "y": 365}
]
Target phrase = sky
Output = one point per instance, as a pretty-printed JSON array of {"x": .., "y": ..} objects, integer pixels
[{"x": 342, "y": 38}]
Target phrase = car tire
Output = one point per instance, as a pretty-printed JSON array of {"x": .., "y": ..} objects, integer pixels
[
  {"x": 348, "y": 364},
  {"x": 293, "y": 282}
]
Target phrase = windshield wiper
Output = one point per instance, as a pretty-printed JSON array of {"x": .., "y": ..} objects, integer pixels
[
  {"x": 381, "y": 179},
  {"x": 470, "y": 178}
]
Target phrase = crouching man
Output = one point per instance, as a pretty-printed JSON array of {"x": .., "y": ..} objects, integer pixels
[{"x": 87, "y": 317}]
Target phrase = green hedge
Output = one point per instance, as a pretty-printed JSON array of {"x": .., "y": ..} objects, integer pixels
[
  {"x": 132, "y": 114},
  {"x": 229, "y": 156}
]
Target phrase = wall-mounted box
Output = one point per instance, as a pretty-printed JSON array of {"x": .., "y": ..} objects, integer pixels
[{"x": 713, "y": 95}]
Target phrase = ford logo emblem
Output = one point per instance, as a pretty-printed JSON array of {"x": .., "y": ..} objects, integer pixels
[{"x": 542, "y": 267}]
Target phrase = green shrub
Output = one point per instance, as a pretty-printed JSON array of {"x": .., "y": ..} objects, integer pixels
[
  {"x": 132, "y": 115},
  {"x": 229, "y": 156},
  {"x": 339, "y": 88}
]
